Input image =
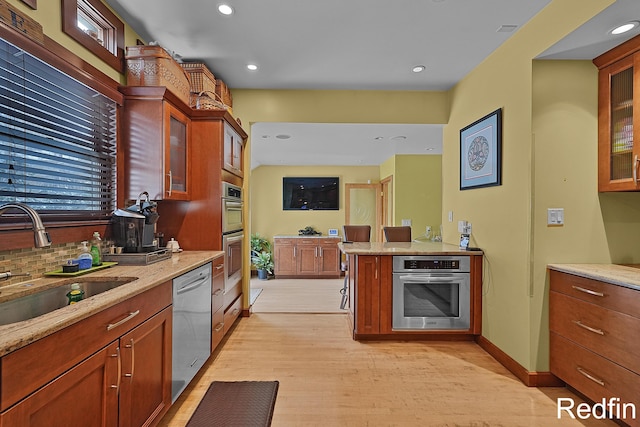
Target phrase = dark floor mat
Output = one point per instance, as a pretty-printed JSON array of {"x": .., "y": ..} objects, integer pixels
[{"x": 238, "y": 403}]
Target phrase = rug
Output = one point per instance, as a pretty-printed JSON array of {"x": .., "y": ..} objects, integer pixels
[
  {"x": 236, "y": 404},
  {"x": 255, "y": 292}
]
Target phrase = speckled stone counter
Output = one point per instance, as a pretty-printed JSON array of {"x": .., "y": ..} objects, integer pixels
[
  {"x": 17, "y": 335},
  {"x": 621, "y": 275},
  {"x": 402, "y": 248}
]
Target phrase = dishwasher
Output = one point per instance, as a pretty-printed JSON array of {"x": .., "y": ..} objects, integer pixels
[{"x": 191, "y": 336}]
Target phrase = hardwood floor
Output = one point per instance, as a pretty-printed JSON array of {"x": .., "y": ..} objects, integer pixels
[{"x": 327, "y": 379}]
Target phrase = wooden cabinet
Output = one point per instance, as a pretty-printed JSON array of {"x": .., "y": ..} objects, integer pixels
[
  {"x": 306, "y": 257},
  {"x": 113, "y": 367},
  {"x": 155, "y": 155},
  {"x": 368, "y": 273},
  {"x": 232, "y": 151},
  {"x": 619, "y": 118},
  {"x": 217, "y": 303},
  {"x": 591, "y": 346},
  {"x": 186, "y": 222}
]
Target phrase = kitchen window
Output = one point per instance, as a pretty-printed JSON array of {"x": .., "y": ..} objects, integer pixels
[
  {"x": 94, "y": 26},
  {"x": 57, "y": 140}
]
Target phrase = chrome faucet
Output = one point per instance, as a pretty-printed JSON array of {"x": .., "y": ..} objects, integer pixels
[{"x": 41, "y": 237}]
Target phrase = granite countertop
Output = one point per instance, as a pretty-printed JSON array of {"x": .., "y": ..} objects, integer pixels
[
  {"x": 16, "y": 335},
  {"x": 404, "y": 248},
  {"x": 616, "y": 274}
]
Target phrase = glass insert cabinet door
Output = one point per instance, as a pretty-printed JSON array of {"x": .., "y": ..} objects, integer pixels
[
  {"x": 618, "y": 127},
  {"x": 176, "y": 158}
]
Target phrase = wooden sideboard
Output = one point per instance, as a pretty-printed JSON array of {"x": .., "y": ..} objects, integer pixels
[{"x": 306, "y": 257}]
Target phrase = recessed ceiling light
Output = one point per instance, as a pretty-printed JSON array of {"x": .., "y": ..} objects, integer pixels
[
  {"x": 282, "y": 136},
  {"x": 624, "y": 27},
  {"x": 225, "y": 9},
  {"x": 399, "y": 138},
  {"x": 418, "y": 68},
  {"x": 252, "y": 67},
  {"x": 506, "y": 28},
  {"x": 378, "y": 138}
]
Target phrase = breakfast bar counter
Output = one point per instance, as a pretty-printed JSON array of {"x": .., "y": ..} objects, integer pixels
[{"x": 413, "y": 290}]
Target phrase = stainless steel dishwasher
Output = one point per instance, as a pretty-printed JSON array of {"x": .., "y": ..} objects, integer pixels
[{"x": 191, "y": 336}]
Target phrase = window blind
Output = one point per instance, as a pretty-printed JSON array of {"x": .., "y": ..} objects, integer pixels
[{"x": 57, "y": 139}]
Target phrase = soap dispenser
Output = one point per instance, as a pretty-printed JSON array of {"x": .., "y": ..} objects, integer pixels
[
  {"x": 85, "y": 259},
  {"x": 75, "y": 294},
  {"x": 96, "y": 250}
]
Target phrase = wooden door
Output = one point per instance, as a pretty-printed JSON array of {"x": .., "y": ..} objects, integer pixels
[
  {"x": 307, "y": 259},
  {"x": 177, "y": 136},
  {"x": 284, "y": 257},
  {"x": 85, "y": 395},
  {"x": 145, "y": 393},
  {"x": 363, "y": 206},
  {"x": 367, "y": 303},
  {"x": 329, "y": 259}
]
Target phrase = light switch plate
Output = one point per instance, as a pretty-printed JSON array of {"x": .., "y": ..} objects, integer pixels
[
  {"x": 406, "y": 222},
  {"x": 555, "y": 216}
]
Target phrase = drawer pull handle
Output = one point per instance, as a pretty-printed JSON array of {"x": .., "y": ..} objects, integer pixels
[
  {"x": 591, "y": 377},
  {"x": 588, "y": 291},
  {"x": 219, "y": 327},
  {"x": 219, "y": 266},
  {"x": 217, "y": 292},
  {"x": 111, "y": 326},
  {"x": 589, "y": 328}
]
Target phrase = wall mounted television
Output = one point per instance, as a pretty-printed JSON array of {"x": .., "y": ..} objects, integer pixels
[{"x": 310, "y": 193}]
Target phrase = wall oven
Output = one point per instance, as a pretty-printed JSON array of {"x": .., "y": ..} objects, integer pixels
[
  {"x": 232, "y": 216},
  {"x": 232, "y": 245},
  {"x": 431, "y": 292}
]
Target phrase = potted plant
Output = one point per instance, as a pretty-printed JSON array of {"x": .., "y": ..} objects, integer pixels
[
  {"x": 263, "y": 261},
  {"x": 259, "y": 244}
]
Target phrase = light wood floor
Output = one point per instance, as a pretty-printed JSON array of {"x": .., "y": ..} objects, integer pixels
[{"x": 327, "y": 379}]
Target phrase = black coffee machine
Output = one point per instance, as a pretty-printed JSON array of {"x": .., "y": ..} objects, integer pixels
[{"x": 134, "y": 227}]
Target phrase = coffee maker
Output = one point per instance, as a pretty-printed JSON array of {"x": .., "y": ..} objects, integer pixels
[{"x": 134, "y": 227}]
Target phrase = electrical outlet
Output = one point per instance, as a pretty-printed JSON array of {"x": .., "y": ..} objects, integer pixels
[{"x": 468, "y": 228}]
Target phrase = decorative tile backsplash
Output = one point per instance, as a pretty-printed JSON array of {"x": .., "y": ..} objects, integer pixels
[{"x": 36, "y": 261}]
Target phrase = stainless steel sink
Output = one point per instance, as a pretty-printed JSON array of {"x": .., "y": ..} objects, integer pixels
[{"x": 48, "y": 300}]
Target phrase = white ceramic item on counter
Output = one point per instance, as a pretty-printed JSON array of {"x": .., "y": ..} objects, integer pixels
[{"x": 173, "y": 245}]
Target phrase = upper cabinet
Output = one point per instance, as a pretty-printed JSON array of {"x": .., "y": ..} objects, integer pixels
[
  {"x": 232, "y": 151},
  {"x": 619, "y": 118},
  {"x": 156, "y": 135}
]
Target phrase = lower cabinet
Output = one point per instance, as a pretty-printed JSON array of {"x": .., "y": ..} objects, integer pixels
[
  {"x": 591, "y": 346},
  {"x": 306, "y": 257},
  {"x": 124, "y": 381},
  {"x": 217, "y": 303}
]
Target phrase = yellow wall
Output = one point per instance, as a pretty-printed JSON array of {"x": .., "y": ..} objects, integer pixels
[
  {"x": 268, "y": 218},
  {"x": 417, "y": 192},
  {"x": 502, "y": 216}
]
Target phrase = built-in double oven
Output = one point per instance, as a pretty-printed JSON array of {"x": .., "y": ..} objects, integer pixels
[
  {"x": 431, "y": 292},
  {"x": 232, "y": 237}
]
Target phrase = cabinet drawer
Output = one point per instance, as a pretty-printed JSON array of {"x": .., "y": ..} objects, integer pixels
[
  {"x": 593, "y": 375},
  {"x": 217, "y": 285},
  {"x": 610, "y": 296},
  {"x": 328, "y": 241},
  {"x": 232, "y": 313},
  {"x": 284, "y": 241},
  {"x": 217, "y": 328},
  {"x": 34, "y": 365},
  {"x": 608, "y": 333},
  {"x": 312, "y": 242}
]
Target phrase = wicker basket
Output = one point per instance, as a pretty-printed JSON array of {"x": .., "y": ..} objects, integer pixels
[
  {"x": 224, "y": 93},
  {"x": 207, "y": 101},
  {"x": 202, "y": 80},
  {"x": 153, "y": 66}
]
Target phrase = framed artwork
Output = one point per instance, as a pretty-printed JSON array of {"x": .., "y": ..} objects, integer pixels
[
  {"x": 481, "y": 152},
  {"x": 33, "y": 4}
]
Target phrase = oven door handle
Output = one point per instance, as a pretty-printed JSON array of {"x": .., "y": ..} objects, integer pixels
[
  {"x": 232, "y": 206},
  {"x": 421, "y": 278}
]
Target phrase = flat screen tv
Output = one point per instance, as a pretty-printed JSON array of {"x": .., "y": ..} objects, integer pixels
[{"x": 310, "y": 193}]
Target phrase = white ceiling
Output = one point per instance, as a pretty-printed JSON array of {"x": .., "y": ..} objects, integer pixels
[{"x": 350, "y": 44}]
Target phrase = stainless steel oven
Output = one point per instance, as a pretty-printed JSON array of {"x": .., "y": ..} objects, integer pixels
[
  {"x": 232, "y": 215},
  {"x": 431, "y": 292}
]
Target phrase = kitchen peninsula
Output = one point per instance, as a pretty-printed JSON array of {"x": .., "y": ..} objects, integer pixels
[{"x": 413, "y": 290}]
